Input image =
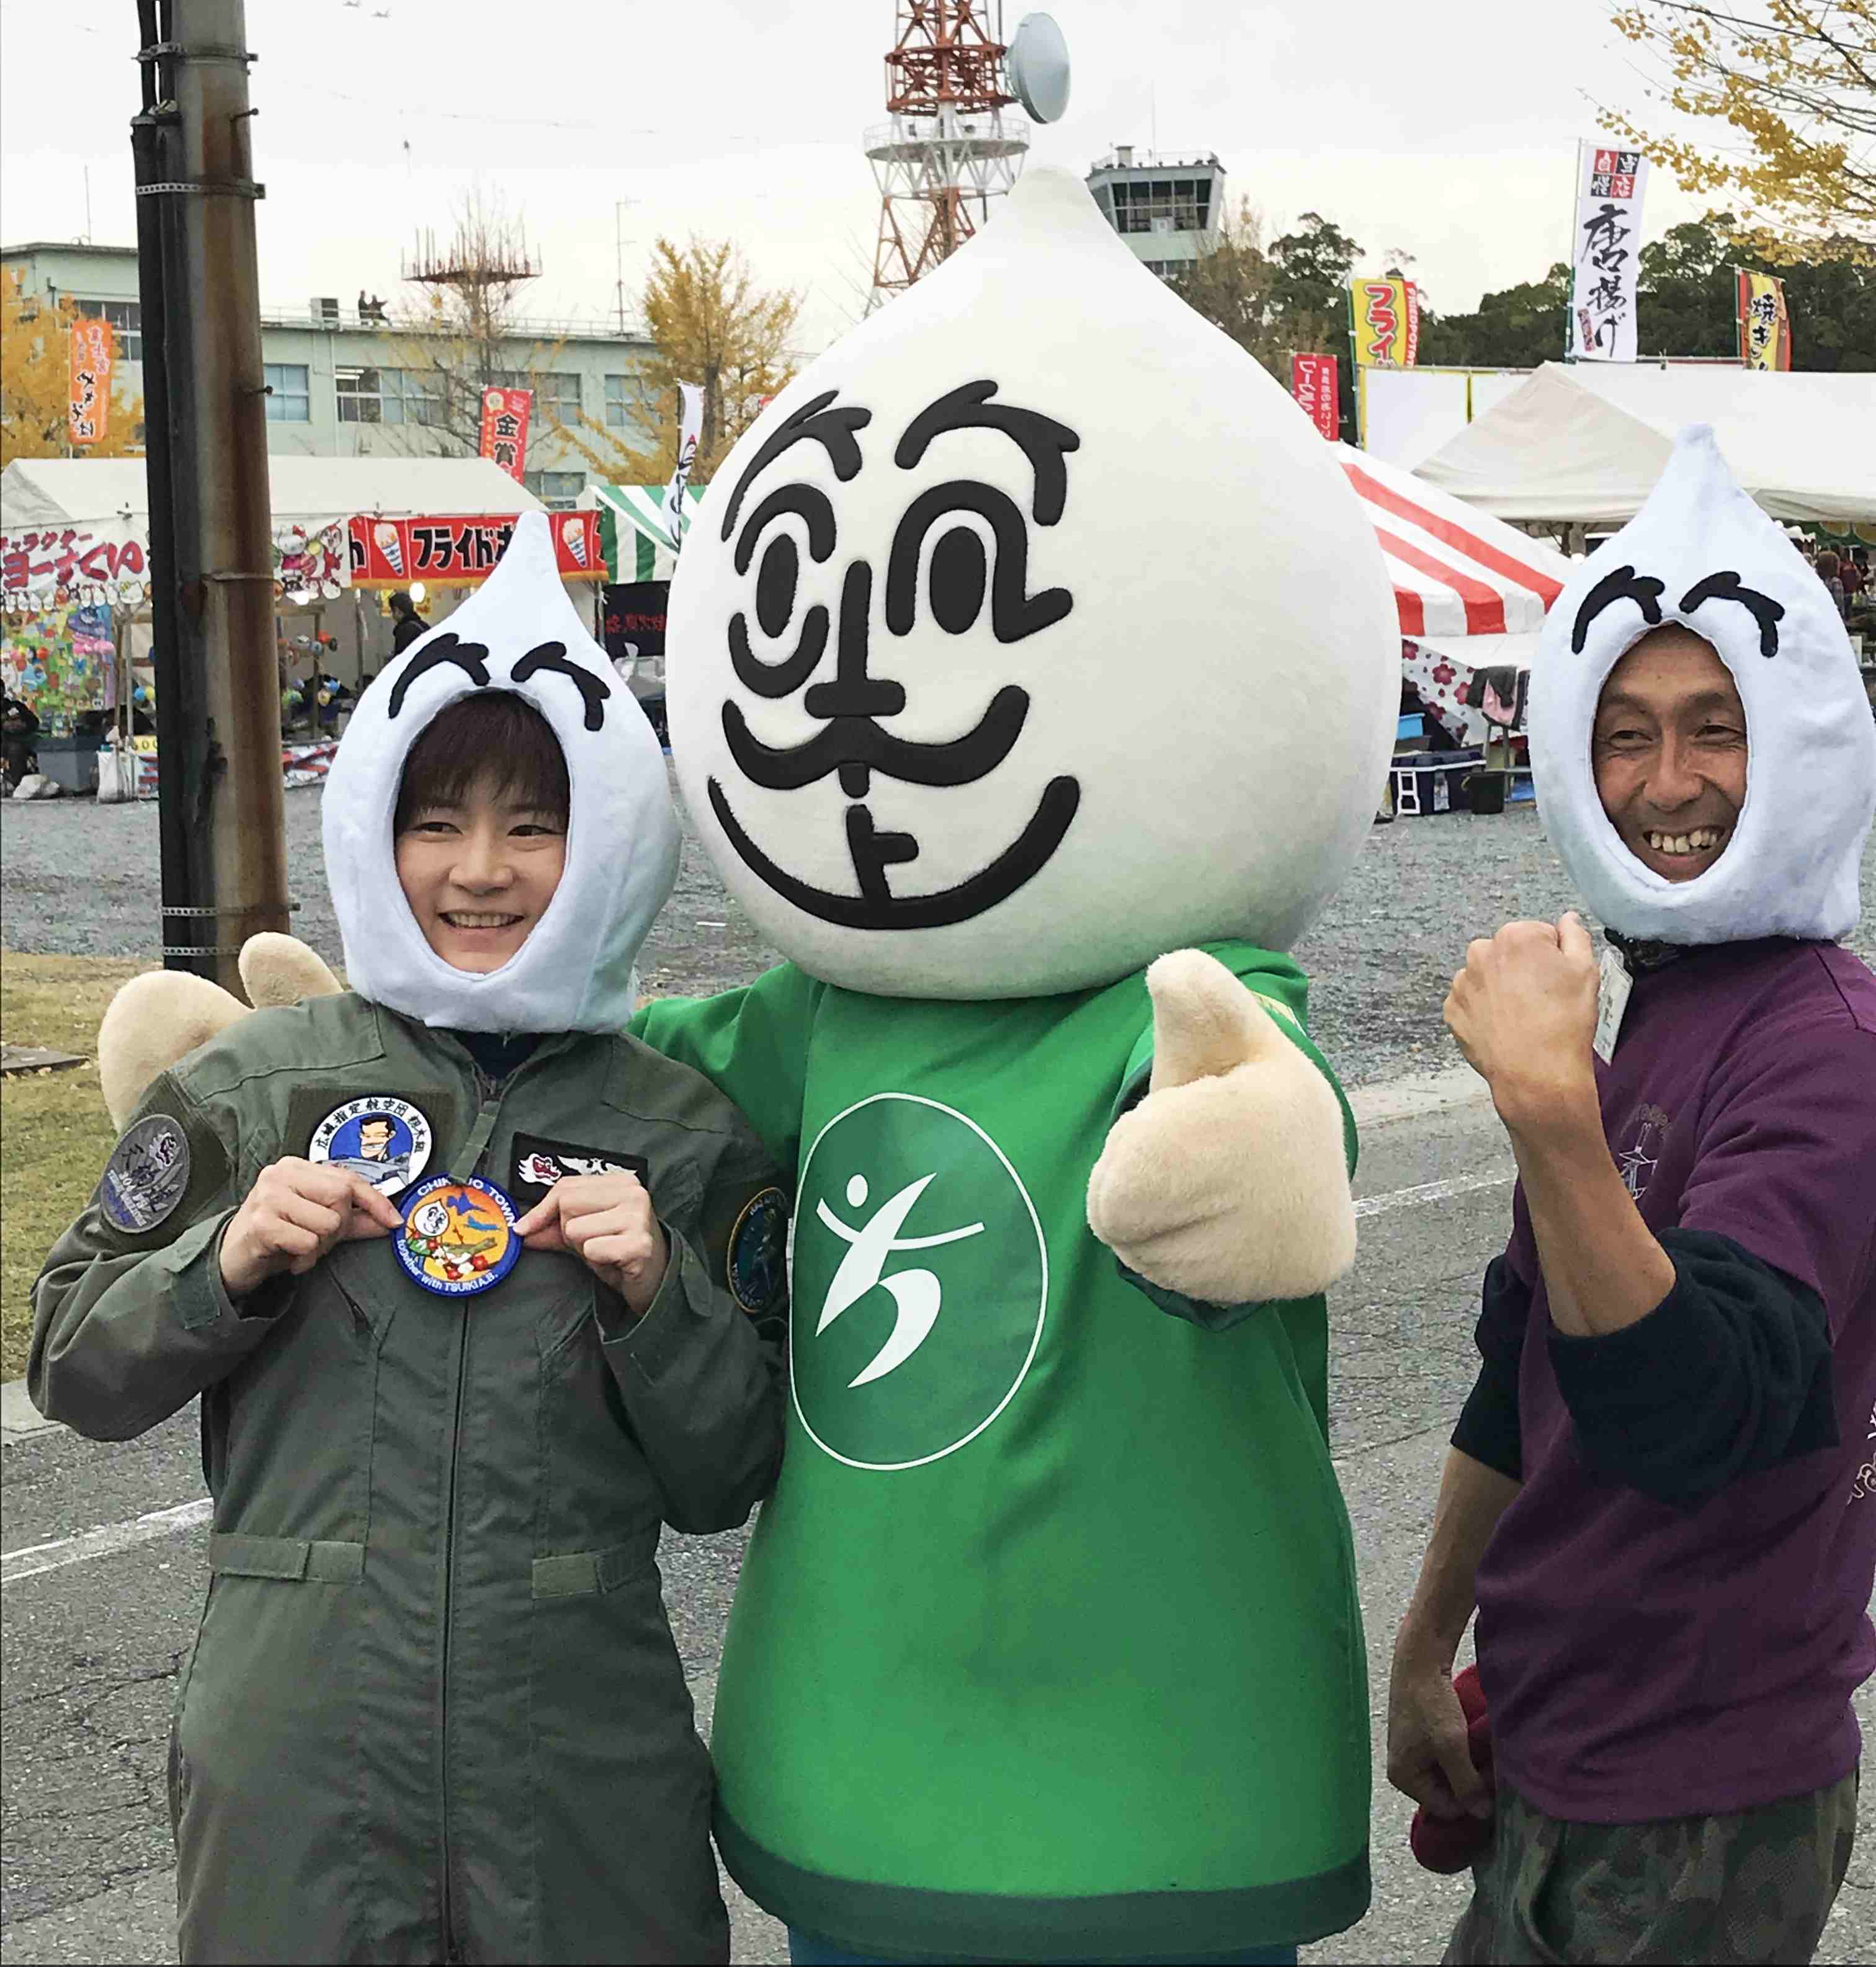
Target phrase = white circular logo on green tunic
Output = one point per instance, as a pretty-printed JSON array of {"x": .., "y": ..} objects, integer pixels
[{"x": 918, "y": 1278}]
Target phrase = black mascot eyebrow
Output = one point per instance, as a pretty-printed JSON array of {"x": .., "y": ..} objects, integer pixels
[
  {"x": 833, "y": 429},
  {"x": 1044, "y": 442},
  {"x": 471, "y": 657},
  {"x": 1645, "y": 592},
  {"x": 593, "y": 690},
  {"x": 1766, "y": 612}
]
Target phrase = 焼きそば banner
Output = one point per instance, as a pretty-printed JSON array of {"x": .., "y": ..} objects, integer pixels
[
  {"x": 1765, "y": 323},
  {"x": 1386, "y": 316},
  {"x": 458, "y": 552}
]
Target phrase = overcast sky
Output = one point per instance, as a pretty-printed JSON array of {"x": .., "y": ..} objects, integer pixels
[{"x": 1447, "y": 132}]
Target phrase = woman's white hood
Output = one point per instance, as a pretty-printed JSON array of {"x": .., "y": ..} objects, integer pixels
[
  {"x": 1699, "y": 552},
  {"x": 517, "y": 632}
]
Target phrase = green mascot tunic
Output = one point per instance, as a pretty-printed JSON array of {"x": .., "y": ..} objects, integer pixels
[
  {"x": 1054, "y": 1614},
  {"x": 982, "y": 642}
]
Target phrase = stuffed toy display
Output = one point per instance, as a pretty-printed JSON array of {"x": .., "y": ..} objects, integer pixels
[
  {"x": 981, "y": 646},
  {"x": 1701, "y": 553}
]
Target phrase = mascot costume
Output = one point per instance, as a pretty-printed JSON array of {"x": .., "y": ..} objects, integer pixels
[{"x": 1048, "y": 1646}]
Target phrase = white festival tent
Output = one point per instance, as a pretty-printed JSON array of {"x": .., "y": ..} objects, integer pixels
[{"x": 1585, "y": 442}]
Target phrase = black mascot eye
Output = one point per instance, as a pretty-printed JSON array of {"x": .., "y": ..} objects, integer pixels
[
  {"x": 777, "y": 581},
  {"x": 960, "y": 577}
]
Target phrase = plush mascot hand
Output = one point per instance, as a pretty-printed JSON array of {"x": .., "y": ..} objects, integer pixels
[
  {"x": 163, "y": 1015},
  {"x": 1228, "y": 1183}
]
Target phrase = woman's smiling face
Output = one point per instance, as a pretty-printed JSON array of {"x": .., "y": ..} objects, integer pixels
[
  {"x": 479, "y": 872},
  {"x": 1669, "y": 751}
]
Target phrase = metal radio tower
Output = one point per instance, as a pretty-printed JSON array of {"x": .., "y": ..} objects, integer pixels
[{"x": 949, "y": 148}]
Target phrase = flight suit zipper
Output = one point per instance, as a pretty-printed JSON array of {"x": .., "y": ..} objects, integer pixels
[{"x": 466, "y": 1163}]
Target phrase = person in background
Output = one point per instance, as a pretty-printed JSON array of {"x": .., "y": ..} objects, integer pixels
[
  {"x": 19, "y": 725},
  {"x": 1829, "y": 571},
  {"x": 1661, "y": 1492},
  {"x": 406, "y": 624}
]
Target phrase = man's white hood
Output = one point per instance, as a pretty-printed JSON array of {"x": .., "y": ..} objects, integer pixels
[
  {"x": 518, "y": 632},
  {"x": 1699, "y": 552}
]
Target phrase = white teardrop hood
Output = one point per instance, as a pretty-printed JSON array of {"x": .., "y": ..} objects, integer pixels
[
  {"x": 1700, "y": 553},
  {"x": 518, "y": 632}
]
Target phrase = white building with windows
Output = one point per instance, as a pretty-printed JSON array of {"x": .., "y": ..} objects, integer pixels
[
  {"x": 1170, "y": 208},
  {"x": 341, "y": 380}
]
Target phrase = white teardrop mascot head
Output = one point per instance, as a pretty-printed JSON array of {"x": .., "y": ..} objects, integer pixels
[
  {"x": 518, "y": 632},
  {"x": 1701, "y": 553},
  {"x": 1033, "y": 631}
]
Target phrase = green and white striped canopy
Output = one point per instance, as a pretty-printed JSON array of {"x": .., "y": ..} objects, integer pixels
[{"x": 631, "y": 531}]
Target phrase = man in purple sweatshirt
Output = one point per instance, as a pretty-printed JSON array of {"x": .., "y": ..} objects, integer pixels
[{"x": 1658, "y": 1496}]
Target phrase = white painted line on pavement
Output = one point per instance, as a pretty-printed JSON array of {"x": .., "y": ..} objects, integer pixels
[
  {"x": 105, "y": 1541},
  {"x": 112, "y": 1538},
  {"x": 1432, "y": 1191}
]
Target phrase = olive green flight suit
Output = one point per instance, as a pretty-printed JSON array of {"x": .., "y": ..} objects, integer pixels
[{"x": 434, "y": 1710}]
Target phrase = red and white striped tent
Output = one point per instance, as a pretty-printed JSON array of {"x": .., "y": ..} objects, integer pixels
[{"x": 1456, "y": 571}]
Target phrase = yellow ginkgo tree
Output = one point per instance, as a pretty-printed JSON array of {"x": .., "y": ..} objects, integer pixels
[
  {"x": 1794, "y": 83},
  {"x": 36, "y": 383}
]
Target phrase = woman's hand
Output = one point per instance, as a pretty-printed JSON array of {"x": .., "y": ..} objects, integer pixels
[
  {"x": 296, "y": 1213},
  {"x": 606, "y": 1221}
]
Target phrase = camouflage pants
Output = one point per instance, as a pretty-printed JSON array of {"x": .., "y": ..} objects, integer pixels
[{"x": 1754, "y": 1887}]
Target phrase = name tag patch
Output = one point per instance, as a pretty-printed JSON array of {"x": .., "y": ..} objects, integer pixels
[
  {"x": 384, "y": 1140},
  {"x": 538, "y": 1163},
  {"x": 147, "y": 1176}
]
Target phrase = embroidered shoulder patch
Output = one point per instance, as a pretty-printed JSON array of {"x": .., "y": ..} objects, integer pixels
[
  {"x": 756, "y": 1269},
  {"x": 147, "y": 1176}
]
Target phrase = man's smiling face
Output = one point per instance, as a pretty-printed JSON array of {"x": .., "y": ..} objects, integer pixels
[{"x": 1669, "y": 750}]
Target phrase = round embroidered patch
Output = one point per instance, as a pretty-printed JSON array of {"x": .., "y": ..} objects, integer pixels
[
  {"x": 146, "y": 1175},
  {"x": 385, "y": 1141},
  {"x": 458, "y": 1237},
  {"x": 758, "y": 1252}
]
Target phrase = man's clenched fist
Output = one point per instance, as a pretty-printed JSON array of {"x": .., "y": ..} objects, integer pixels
[{"x": 294, "y": 1214}]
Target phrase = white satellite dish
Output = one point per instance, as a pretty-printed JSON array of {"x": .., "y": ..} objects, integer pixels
[{"x": 1038, "y": 67}]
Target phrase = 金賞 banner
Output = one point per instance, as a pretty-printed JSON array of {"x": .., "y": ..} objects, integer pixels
[
  {"x": 1607, "y": 254},
  {"x": 505, "y": 414}
]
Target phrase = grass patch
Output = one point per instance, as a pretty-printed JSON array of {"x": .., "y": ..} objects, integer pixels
[{"x": 54, "y": 1131}]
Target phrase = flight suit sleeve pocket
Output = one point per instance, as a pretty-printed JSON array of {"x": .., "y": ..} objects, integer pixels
[
  {"x": 293, "y": 1559},
  {"x": 582, "y": 1573}
]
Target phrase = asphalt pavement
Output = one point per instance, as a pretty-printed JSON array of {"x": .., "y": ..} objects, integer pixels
[{"x": 93, "y": 1643}]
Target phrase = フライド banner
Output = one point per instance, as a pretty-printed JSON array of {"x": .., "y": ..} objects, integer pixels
[
  {"x": 1764, "y": 324},
  {"x": 505, "y": 414},
  {"x": 1315, "y": 384},
  {"x": 91, "y": 351},
  {"x": 1384, "y": 316},
  {"x": 1605, "y": 254},
  {"x": 460, "y": 552}
]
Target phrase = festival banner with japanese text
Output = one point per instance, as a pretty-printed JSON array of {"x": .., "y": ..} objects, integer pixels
[
  {"x": 1764, "y": 324},
  {"x": 1385, "y": 315},
  {"x": 92, "y": 348},
  {"x": 505, "y": 414},
  {"x": 460, "y": 552},
  {"x": 1315, "y": 382},
  {"x": 1605, "y": 254},
  {"x": 55, "y": 566}
]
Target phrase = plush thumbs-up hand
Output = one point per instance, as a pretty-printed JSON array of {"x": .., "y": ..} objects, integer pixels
[{"x": 1227, "y": 1182}]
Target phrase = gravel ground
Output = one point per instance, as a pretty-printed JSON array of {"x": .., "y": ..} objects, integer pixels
[{"x": 79, "y": 879}]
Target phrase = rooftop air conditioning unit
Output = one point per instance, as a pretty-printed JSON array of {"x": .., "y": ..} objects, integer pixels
[{"x": 325, "y": 310}]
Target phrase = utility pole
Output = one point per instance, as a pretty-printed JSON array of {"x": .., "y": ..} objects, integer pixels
[{"x": 222, "y": 809}]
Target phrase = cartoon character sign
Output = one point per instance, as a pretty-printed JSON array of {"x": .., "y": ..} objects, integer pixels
[
  {"x": 458, "y": 1237},
  {"x": 1030, "y": 635}
]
